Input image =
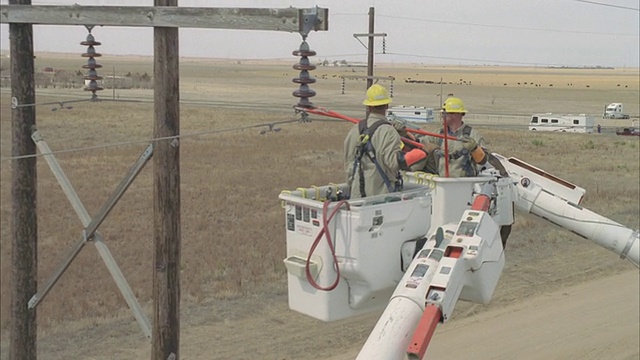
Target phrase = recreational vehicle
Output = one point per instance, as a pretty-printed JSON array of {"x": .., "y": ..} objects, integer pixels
[
  {"x": 562, "y": 123},
  {"x": 412, "y": 113}
]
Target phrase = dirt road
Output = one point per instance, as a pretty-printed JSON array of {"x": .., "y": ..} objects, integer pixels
[
  {"x": 594, "y": 320},
  {"x": 598, "y": 319}
]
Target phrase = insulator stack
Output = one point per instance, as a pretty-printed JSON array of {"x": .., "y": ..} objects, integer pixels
[
  {"x": 92, "y": 76},
  {"x": 304, "y": 92}
]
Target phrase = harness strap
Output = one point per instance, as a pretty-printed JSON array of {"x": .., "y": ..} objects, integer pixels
[
  {"x": 468, "y": 165},
  {"x": 365, "y": 147}
]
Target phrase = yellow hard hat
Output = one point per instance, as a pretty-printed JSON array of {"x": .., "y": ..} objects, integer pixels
[
  {"x": 376, "y": 96},
  {"x": 453, "y": 105}
]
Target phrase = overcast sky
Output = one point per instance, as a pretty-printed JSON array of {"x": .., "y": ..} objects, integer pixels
[{"x": 476, "y": 32}]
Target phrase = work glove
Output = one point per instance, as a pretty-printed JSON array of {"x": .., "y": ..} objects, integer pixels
[
  {"x": 477, "y": 153},
  {"x": 414, "y": 156},
  {"x": 430, "y": 147},
  {"x": 469, "y": 143},
  {"x": 406, "y": 160},
  {"x": 400, "y": 127}
]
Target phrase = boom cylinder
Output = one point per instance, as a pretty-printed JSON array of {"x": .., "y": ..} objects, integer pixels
[
  {"x": 599, "y": 229},
  {"x": 394, "y": 329},
  {"x": 557, "y": 201}
]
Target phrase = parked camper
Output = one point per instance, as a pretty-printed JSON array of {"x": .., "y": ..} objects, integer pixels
[
  {"x": 412, "y": 113},
  {"x": 614, "y": 111},
  {"x": 562, "y": 123}
]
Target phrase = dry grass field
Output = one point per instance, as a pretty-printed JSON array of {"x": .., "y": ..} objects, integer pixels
[{"x": 233, "y": 235}]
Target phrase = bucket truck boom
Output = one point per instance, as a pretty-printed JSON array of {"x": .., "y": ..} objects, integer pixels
[
  {"x": 558, "y": 202},
  {"x": 418, "y": 251}
]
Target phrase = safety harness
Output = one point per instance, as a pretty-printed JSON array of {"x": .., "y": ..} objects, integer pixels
[
  {"x": 468, "y": 165},
  {"x": 365, "y": 147}
]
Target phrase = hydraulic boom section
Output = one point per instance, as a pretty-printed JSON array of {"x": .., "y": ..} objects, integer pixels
[
  {"x": 461, "y": 260},
  {"x": 558, "y": 201}
]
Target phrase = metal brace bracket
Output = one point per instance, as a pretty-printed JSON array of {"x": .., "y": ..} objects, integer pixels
[
  {"x": 313, "y": 19},
  {"x": 90, "y": 229}
]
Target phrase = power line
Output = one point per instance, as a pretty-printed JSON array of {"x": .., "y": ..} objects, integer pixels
[
  {"x": 609, "y": 5},
  {"x": 63, "y": 104},
  {"x": 484, "y": 61},
  {"x": 505, "y": 27},
  {"x": 270, "y": 127},
  {"x": 145, "y": 141}
]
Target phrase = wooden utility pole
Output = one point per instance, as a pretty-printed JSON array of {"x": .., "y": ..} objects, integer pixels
[
  {"x": 166, "y": 193},
  {"x": 165, "y": 17},
  {"x": 24, "y": 260},
  {"x": 370, "y": 47}
]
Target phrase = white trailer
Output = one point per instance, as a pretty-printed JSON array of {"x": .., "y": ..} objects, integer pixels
[
  {"x": 562, "y": 123},
  {"x": 614, "y": 111},
  {"x": 419, "y": 114}
]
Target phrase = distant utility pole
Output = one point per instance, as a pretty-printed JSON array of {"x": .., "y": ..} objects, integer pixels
[
  {"x": 370, "y": 46},
  {"x": 113, "y": 84},
  {"x": 372, "y": 12}
]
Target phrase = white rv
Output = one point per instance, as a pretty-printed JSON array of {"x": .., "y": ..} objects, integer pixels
[
  {"x": 614, "y": 111},
  {"x": 562, "y": 123},
  {"x": 412, "y": 113}
]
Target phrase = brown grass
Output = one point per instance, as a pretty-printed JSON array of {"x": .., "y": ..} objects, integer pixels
[{"x": 232, "y": 224}]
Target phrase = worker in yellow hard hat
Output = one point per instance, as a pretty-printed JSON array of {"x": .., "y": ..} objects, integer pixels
[
  {"x": 466, "y": 154},
  {"x": 373, "y": 150}
]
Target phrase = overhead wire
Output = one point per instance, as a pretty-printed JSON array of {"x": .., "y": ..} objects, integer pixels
[
  {"x": 489, "y": 61},
  {"x": 149, "y": 100},
  {"x": 504, "y": 26},
  {"x": 151, "y": 140},
  {"x": 485, "y": 61},
  {"x": 62, "y": 103},
  {"x": 606, "y": 4}
]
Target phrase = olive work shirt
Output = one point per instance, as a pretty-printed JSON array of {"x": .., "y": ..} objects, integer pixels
[
  {"x": 387, "y": 146},
  {"x": 461, "y": 163}
]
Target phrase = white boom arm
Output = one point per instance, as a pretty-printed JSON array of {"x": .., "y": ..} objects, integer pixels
[
  {"x": 558, "y": 202},
  {"x": 461, "y": 260},
  {"x": 466, "y": 259}
]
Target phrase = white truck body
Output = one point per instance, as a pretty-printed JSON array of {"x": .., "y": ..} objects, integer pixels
[
  {"x": 562, "y": 123},
  {"x": 419, "y": 114},
  {"x": 614, "y": 111}
]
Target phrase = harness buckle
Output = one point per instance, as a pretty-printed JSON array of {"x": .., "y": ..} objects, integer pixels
[{"x": 363, "y": 138}]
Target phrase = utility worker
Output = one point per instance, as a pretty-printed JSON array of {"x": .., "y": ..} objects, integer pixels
[
  {"x": 466, "y": 155},
  {"x": 373, "y": 155}
]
